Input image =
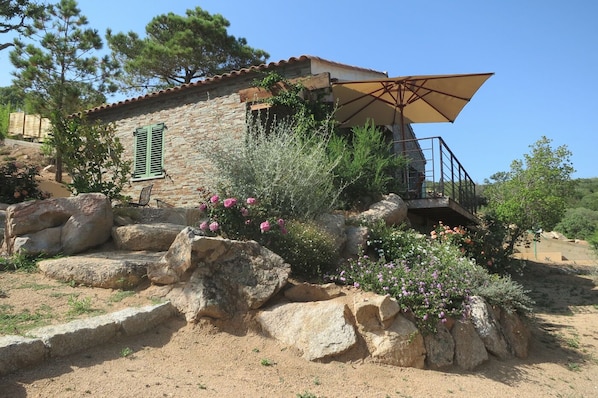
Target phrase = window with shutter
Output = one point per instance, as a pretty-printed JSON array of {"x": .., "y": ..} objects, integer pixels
[{"x": 149, "y": 152}]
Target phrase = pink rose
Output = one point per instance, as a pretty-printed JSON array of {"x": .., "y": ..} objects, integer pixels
[
  {"x": 280, "y": 223},
  {"x": 265, "y": 226},
  {"x": 203, "y": 226},
  {"x": 244, "y": 212},
  {"x": 230, "y": 202},
  {"x": 214, "y": 226},
  {"x": 203, "y": 207},
  {"x": 251, "y": 201},
  {"x": 215, "y": 199}
]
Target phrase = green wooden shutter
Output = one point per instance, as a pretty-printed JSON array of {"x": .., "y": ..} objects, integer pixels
[
  {"x": 156, "y": 164},
  {"x": 149, "y": 152}
]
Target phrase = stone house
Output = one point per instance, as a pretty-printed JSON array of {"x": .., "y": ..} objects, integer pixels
[{"x": 162, "y": 131}]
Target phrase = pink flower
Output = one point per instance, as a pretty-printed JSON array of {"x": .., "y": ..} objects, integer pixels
[
  {"x": 214, "y": 226},
  {"x": 251, "y": 201},
  {"x": 230, "y": 202},
  {"x": 215, "y": 199},
  {"x": 244, "y": 212},
  {"x": 283, "y": 231},
  {"x": 203, "y": 207},
  {"x": 265, "y": 226},
  {"x": 203, "y": 226},
  {"x": 280, "y": 223}
]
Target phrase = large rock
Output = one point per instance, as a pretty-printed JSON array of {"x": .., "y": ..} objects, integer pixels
[
  {"x": 488, "y": 328},
  {"x": 304, "y": 292},
  {"x": 155, "y": 237},
  {"x": 59, "y": 225},
  {"x": 470, "y": 351},
  {"x": 401, "y": 344},
  {"x": 373, "y": 311},
  {"x": 516, "y": 332},
  {"x": 392, "y": 209},
  {"x": 110, "y": 270},
  {"x": 440, "y": 348},
  {"x": 318, "y": 330},
  {"x": 151, "y": 215},
  {"x": 216, "y": 277},
  {"x": 357, "y": 238},
  {"x": 334, "y": 224}
]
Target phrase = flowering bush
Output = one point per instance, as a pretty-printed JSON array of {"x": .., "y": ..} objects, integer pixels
[
  {"x": 236, "y": 219},
  {"x": 431, "y": 281},
  {"x": 485, "y": 243}
]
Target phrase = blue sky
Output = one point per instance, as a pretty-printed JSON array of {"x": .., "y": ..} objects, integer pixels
[{"x": 544, "y": 54}]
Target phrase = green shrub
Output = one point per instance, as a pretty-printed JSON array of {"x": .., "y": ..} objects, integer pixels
[
  {"x": 19, "y": 262},
  {"x": 593, "y": 241},
  {"x": 308, "y": 248},
  {"x": 287, "y": 172},
  {"x": 504, "y": 292},
  {"x": 92, "y": 153},
  {"x": 18, "y": 183},
  {"x": 367, "y": 168},
  {"x": 578, "y": 223}
]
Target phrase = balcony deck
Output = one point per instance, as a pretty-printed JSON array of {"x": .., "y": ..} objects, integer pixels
[{"x": 437, "y": 187}]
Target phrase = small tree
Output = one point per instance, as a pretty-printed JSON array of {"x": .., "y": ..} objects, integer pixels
[
  {"x": 93, "y": 156},
  {"x": 534, "y": 194},
  {"x": 61, "y": 76}
]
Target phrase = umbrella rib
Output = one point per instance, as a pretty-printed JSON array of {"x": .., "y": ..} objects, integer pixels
[
  {"x": 416, "y": 96},
  {"x": 374, "y": 97}
]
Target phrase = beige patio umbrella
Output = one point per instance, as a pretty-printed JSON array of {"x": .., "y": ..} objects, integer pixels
[{"x": 409, "y": 99}]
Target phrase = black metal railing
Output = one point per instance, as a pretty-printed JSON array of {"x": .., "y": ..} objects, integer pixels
[{"x": 434, "y": 171}]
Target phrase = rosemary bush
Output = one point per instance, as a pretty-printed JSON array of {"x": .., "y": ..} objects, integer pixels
[{"x": 290, "y": 173}]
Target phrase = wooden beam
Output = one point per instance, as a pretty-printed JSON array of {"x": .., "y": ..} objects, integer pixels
[{"x": 314, "y": 82}]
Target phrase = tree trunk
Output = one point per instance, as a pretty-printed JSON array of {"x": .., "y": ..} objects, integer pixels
[{"x": 58, "y": 174}]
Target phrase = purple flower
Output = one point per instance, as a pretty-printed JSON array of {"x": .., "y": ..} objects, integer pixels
[
  {"x": 214, "y": 226},
  {"x": 251, "y": 201},
  {"x": 230, "y": 202},
  {"x": 203, "y": 207},
  {"x": 203, "y": 226},
  {"x": 215, "y": 199},
  {"x": 356, "y": 284},
  {"x": 280, "y": 223},
  {"x": 265, "y": 226}
]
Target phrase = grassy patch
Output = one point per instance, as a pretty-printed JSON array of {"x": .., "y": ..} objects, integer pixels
[
  {"x": 120, "y": 296},
  {"x": 34, "y": 286},
  {"x": 19, "y": 322},
  {"x": 81, "y": 306}
]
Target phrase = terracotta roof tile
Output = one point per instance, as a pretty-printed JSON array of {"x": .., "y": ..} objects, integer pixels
[{"x": 214, "y": 79}]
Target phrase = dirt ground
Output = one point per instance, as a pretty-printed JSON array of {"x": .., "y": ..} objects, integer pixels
[{"x": 230, "y": 360}]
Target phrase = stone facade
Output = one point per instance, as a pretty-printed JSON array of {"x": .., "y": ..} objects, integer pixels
[{"x": 201, "y": 112}]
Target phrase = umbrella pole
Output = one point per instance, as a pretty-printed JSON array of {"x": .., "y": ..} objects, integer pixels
[{"x": 404, "y": 150}]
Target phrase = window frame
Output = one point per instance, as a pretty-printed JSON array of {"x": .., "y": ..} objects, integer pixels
[{"x": 149, "y": 164}]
